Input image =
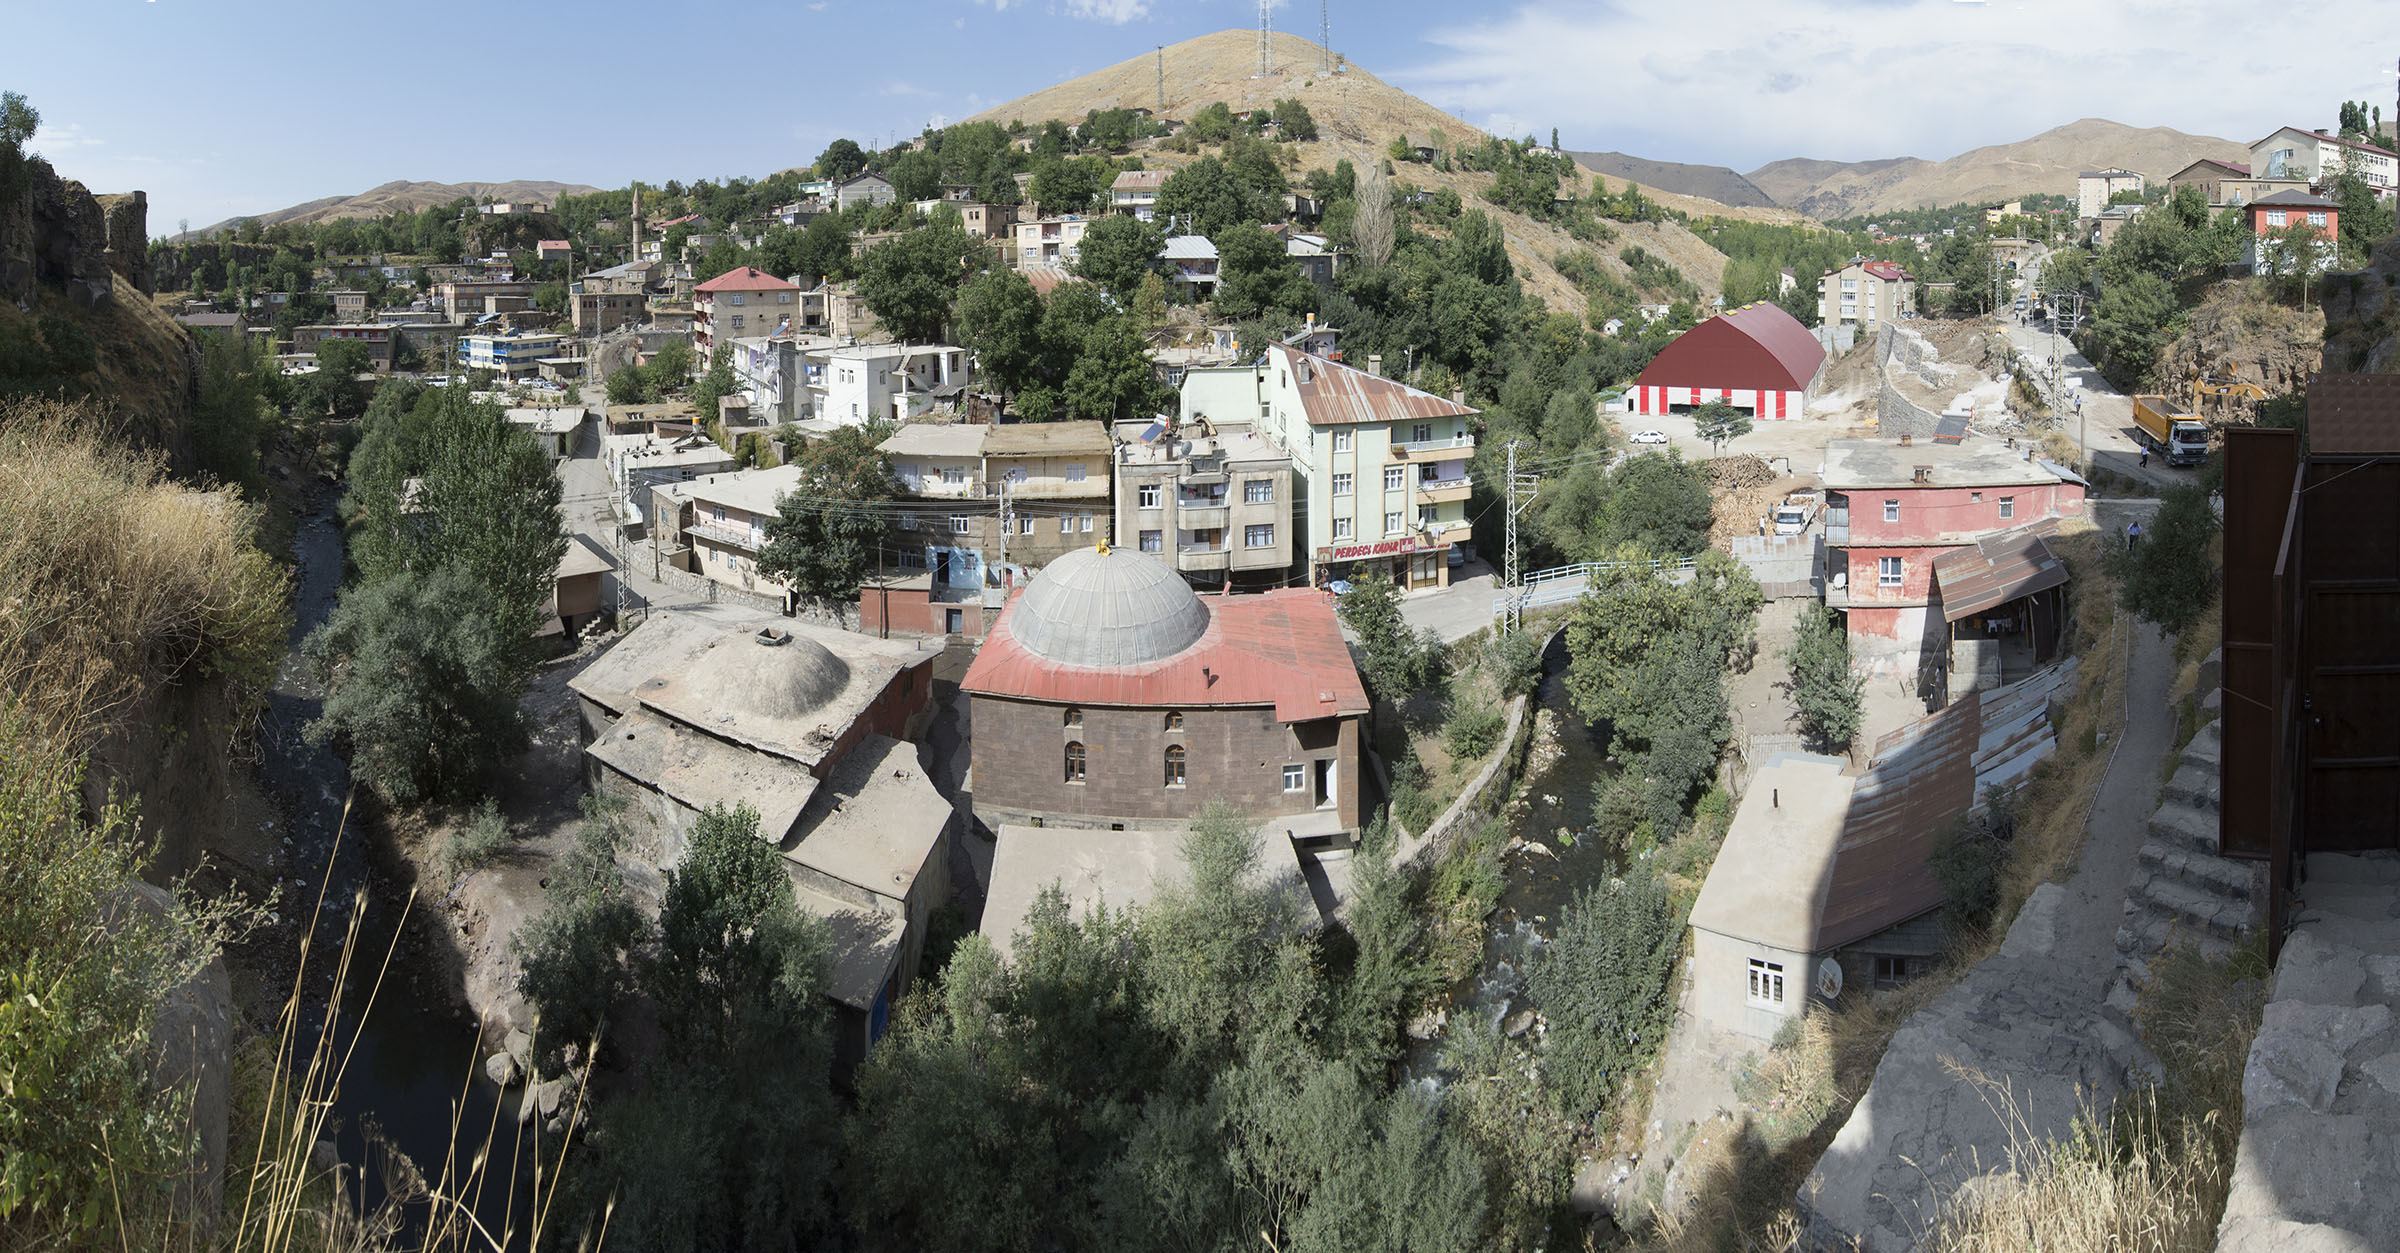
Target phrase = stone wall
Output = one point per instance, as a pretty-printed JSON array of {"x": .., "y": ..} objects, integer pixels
[
  {"x": 1481, "y": 797},
  {"x": 57, "y": 234},
  {"x": 128, "y": 231}
]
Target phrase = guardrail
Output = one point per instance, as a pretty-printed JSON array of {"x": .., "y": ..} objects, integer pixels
[{"x": 1563, "y": 584}]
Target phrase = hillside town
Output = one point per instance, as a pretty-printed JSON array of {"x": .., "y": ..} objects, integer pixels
[{"x": 1251, "y": 662}]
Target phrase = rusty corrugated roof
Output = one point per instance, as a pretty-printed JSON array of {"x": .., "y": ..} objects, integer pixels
[
  {"x": 1997, "y": 569},
  {"x": 1923, "y": 776},
  {"x": 2349, "y": 414},
  {"x": 1281, "y": 648},
  {"x": 1333, "y": 394}
]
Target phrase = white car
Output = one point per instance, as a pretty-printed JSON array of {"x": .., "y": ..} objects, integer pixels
[{"x": 1650, "y": 437}]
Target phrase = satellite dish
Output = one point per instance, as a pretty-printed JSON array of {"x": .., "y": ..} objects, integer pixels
[{"x": 1829, "y": 979}]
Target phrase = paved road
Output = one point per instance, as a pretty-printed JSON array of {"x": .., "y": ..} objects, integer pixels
[{"x": 2106, "y": 420}]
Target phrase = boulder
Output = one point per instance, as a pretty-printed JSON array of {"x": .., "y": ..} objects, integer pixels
[{"x": 501, "y": 1069}]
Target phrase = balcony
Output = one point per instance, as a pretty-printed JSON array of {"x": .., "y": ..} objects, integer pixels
[
  {"x": 1200, "y": 516},
  {"x": 1443, "y": 491},
  {"x": 1463, "y": 444},
  {"x": 731, "y": 536},
  {"x": 1202, "y": 556}
]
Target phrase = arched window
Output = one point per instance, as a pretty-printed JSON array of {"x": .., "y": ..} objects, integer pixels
[
  {"x": 1074, "y": 761},
  {"x": 1074, "y": 716},
  {"x": 1175, "y": 721},
  {"x": 1175, "y": 765}
]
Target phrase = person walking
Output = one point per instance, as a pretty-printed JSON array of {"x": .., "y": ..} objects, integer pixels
[
  {"x": 2133, "y": 534},
  {"x": 2145, "y": 456}
]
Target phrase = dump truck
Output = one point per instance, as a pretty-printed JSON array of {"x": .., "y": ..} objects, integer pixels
[
  {"x": 2171, "y": 431},
  {"x": 1796, "y": 512}
]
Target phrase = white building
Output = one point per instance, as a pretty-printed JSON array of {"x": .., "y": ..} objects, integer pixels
[
  {"x": 1755, "y": 941},
  {"x": 2094, "y": 187},
  {"x": 2320, "y": 158},
  {"x": 510, "y": 356}
]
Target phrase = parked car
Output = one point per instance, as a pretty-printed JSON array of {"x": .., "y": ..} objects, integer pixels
[{"x": 1653, "y": 436}]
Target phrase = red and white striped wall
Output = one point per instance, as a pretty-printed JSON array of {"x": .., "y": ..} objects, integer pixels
[{"x": 1765, "y": 406}]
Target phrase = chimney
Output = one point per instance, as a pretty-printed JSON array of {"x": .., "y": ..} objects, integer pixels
[
  {"x": 1924, "y": 474},
  {"x": 1904, "y": 439},
  {"x": 1375, "y": 363},
  {"x": 1775, "y": 797}
]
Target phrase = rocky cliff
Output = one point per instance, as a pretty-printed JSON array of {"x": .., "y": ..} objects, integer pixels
[
  {"x": 2362, "y": 315},
  {"x": 2240, "y": 335},
  {"x": 58, "y": 233}
]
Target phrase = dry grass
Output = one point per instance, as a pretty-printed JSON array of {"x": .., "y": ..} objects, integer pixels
[{"x": 113, "y": 577}]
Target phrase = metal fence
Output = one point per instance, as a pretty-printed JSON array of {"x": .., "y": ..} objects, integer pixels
[{"x": 1562, "y": 584}]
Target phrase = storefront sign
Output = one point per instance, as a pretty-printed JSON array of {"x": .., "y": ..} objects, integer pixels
[{"x": 1381, "y": 548}]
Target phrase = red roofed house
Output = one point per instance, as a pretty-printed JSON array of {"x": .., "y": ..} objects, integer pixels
[
  {"x": 1757, "y": 358},
  {"x": 1865, "y": 294},
  {"x": 553, "y": 249},
  {"x": 744, "y": 302},
  {"x": 2319, "y": 219},
  {"x": 1110, "y": 695}
]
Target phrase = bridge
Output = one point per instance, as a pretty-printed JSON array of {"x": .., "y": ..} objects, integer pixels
[{"x": 1564, "y": 584}]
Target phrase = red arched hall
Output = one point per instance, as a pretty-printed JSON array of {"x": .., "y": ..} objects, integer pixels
[{"x": 1757, "y": 358}]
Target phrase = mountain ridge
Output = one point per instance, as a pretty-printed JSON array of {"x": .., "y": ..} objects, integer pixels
[
  {"x": 1707, "y": 182},
  {"x": 2047, "y": 162},
  {"x": 409, "y": 196}
]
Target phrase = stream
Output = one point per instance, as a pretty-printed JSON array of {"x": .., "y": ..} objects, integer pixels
[
  {"x": 412, "y": 1058},
  {"x": 1552, "y": 858}
]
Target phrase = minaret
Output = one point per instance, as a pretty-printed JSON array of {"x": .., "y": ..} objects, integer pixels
[{"x": 637, "y": 222}]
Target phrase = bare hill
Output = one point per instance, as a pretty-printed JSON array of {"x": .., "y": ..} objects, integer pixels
[
  {"x": 1357, "y": 116},
  {"x": 1708, "y": 182},
  {"x": 404, "y": 196},
  {"x": 2048, "y": 162}
]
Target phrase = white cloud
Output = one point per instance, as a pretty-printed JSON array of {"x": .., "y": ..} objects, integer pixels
[
  {"x": 902, "y": 87},
  {"x": 1115, "y": 12},
  {"x": 64, "y": 137},
  {"x": 1743, "y": 82}
]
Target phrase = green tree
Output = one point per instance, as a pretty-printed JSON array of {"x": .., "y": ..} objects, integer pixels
[
  {"x": 1292, "y": 121},
  {"x": 911, "y": 282},
  {"x": 335, "y": 390},
  {"x": 575, "y": 958},
  {"x": 1659, "y": 503},
  {"x": 841, "y": 159},
  {"x": 1720, "y": 424},
  {"x": 1068, "y": 185},
  {"x": 2136, "y": 317},
  {"x": 1112, "y": 377},
  {"x": 2168, "y": 577},
  {"x": 1204, "y": 198},
  {"x": 1821, "y": 681},
  {"x": 714, "y": 385},
  {"x": 825, "y": 534},
  {"x": 1396, "y": 661},
  {"x": 420, "y": 684},
  {"x": 1118, "y": 251},
  {"x": 1604, "y": 982},
  {"x": 1213, "y": 124},
  {"x": 229, "y": 419},
  {"x": 1256, "y": 278},
  {"x": 1000, "y": 320}
]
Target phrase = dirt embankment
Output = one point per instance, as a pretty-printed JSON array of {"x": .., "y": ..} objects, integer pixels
[{"x": 2241, "y": 335}]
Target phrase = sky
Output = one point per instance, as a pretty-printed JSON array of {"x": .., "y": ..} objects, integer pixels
[{"x": 224, "y": 107}]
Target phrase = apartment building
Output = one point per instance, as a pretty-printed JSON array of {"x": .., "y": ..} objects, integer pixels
[
  {"x": 1135, "y": 192},
  {"x": 513, "y": 355},
  {"x": 1050, "y": 241},
  {"x": 1216, "y": 504},
  {"x": 1379, "y": 468},
  {"x": 747, "y": 301},
  {"x": 1866, "y": 294},
  {"x": 2320, "y": 158},
  {"x": 991, "y": 497}
]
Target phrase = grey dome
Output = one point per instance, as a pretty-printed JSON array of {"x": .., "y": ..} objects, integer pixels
[
  {"x": 1091, "y": 608},
  {"x": 740, "y": 675}
]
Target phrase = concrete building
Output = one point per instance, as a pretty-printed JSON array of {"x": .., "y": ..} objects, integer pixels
[
  {"x": 2269, "y": 215},
  {"x": 1135, "y": 193},
  {"x": 2094, "y": 187},
  {"x": 2320, "y": 158},
  {"x": 1319, "y": 260},
  {"x": 575, "y": 591},
  {"x": 1866, "y": 294},
  {"x": 1050, "y": 241},
  {"x": 1892, "y": 509},
  {"x": 516, "y": 354},
  {"x": 1754, "y": 926},
  {"x": 739, "y": 303},
  {"x": 722, "y": 521},
  {"x": 863, "y": 189},
  {"x": 380, "y": 339},
  {"x": 900, "y": 601},
  {"x": 2211, "y": 176},
  {"x": 991, "y": 497},
  {"x": 983, "y": 221},
  {"x": 349, "y": 306},
  {"x": 1380, "y": 468},
  {"x": 467, "y": 299},
  {"x": 1216, "y": 504},
  {"x": 638, "y": 463},
  {"x": 556, "y": 427},
  {"x": 1757, "y": 359},
  {"x": 852, "y": 384},
  {"x": 1191, "y": 264},
  {"x": 593, "y": 312},
  {"x": 1109, "y": 694},
  {"x": 806, "y": 725}
]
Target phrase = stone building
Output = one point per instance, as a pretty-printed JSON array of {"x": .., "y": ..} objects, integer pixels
[{"x": 1109, "y": 694}]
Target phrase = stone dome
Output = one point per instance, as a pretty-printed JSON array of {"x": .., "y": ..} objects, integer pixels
[
  {"x": 743, "y": 673},
  {"x": 1117, "y": 608}
]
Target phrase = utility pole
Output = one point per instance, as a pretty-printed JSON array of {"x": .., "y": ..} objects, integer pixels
[
  {"x": 1005, "y": 523},
  {"x": 1521, "y": 489},
  {"x": 1162, "y": 80}
]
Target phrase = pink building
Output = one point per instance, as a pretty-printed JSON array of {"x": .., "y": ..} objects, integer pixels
[{"x": 1893, "y": 509}]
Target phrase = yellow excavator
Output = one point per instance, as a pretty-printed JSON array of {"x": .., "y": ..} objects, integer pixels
[{"x": 2209, "y": 386}]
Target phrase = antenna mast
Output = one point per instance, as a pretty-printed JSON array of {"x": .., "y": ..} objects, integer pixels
[
  {"x": 1265, "y": 35},
  {"x": 1162, "y": 80},
  {"x": 1325, "y": 31}
]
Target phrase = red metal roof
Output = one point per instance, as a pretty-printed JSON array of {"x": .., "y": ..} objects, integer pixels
[
  {"x": 1756, "y": 347},
  {"x": 747, "y": 278},
  {"x": 1281, "y": 648},
  {"x": 1333, "y": 394},
  {"x": 1923, "y": 776},
  {"x": 1997, "y": 569},
  {"x": 1887, "y": 271}
]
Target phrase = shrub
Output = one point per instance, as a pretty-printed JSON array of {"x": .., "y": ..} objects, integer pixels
[
  {"x": 1471, "y": 732},
  {"x": 476, "y": 842},
  {"x": 1515, "y": 661},
  {"x": 2169, "y": 577},
  {"x": 1967, "y": 859}
]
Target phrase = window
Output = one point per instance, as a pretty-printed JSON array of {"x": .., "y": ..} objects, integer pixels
[
  {"x": 1258, "y": 491},
  {"x": 1394, "y": 478},
  {"x": 1974, "y": 498},
  {"x": 783, "y": 298},
  {"x": 1147, "y": 495},
  {"x": 1014, "y": 474},
  {"x": 1075, "y": 472},
  {"x": 1295, "y": 778},
  {"x": 1174, "y": 720},
  {"x": 1084, "y": 521},
  {"x": 1174, "y": 765},
  {"x": 2316, "y": 218},
  {"x": 1154, "y": 541},
  {"x": 737, "y": 321},
  {"x": 1425, "y": 514},
  {"x": 958, "y": 524},
  {"x": 1391, "y": 523},
  {"x": 734, "y": 299},
  {"x": 908, "y": 522},
  {"x": 1766, "y": 984},
  {"x": 1341, "y": 484},
  {"x": 1890, "y": 971},
  {"x": 1341, "y": 528},
  {"x": 1074, "y": 716},
  {"x": 1341, "y": 441},
  {"x": 954, "y": 476},
  {"x": 1891, "y": 511},
  {"x": 2275, "y": 217},
  {"x": 1887, "y": 571},
  {"x": 1258, "y": 536},
  {"x": 1421, "y": 433},
  {"x": 1849, "y": 284},
  {"x": 1066, "y": 525},
  {"x": 2008, "y": 506},
  {"x": 1025, "y": 524},
  {"x": 1074, "y": 761}
]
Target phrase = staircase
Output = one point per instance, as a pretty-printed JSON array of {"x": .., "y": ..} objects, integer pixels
[{"x": 2182, "y": 892}]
